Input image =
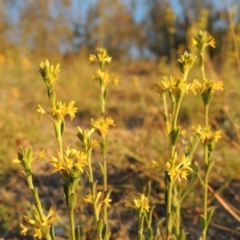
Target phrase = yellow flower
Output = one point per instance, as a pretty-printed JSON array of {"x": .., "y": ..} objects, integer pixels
[
  {"x": 101, "y": 57},
  {"x": 72, "y": 158},
  {"x": 71, "y": 110},
  {"x": 49, "y": 73},
  {"x": 25, "y": 158},
  {"x": 206, "y": 135},
  {"x": 106, "y": 201},
  {"x": 212, "y": 85},
  {"x": 178, "y": 169},
  {"x": 157, "y": 165},
  {"x": 98, "y": 199},
  {"x": 86, "y": 138},
  {"x": 104, "y": 78},
  {"x": 37, "y": 224},
  {"x": 102, "y": 125},
  {"x": 40, "y": 111},
  {"x": 177, "y": 86},
  {"x": 24, "y": 229},
  {"x": 60, "y": 110},
  {"x": 186, "y": 62},
  {"x": 142, "y": 203},
  {"x": 202, "y": 40},
  {"x": 208, "y": 88}
]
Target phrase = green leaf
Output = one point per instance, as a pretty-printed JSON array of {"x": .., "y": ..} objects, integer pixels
[
  {"x": 62, "y": 127},
  {"x": 209, "y": 217},
  {"x": 105, "y": 93},
  {"x": 72, "y": 200},
  {"x": 190, "y": 184},
  {"x": 66, "y": 191},
  {"x": 104, "y": 231},
  {"x": 100, "y": 225},
  {"x": 148, "y": 190},
  {"x": 203, "y": 222},
  {"x": 150, "y": 233},
  {"x": 175, "y": 135},
  {"x": 77, "y": 233},
  {"x": 108, "y": 236},
  {"x": 182, "y": 235},
  {"x": 52, "y": 234},
  {"x": 101, "y": 168}
]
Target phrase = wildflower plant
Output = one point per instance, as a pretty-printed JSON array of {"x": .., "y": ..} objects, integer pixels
[
  {"x": 172, "y": 89},
  {"x": 208, "y": 137},
  {"x": 39, "y": 224},
  {"x": 144, "y": 213},
  {"x": 103, "y": 124}
]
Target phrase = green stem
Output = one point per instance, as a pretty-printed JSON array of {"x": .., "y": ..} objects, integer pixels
[
  {"x": 166, "y": 119},
  {"x": 102, "y": 100},
  {"x": 178, "y": 210},
  {"x": 59, "y": 140},
  {"x": 202, "y": 66},
  {"x": 89, "y": 154},
  {"x": 140, "y": 227},
  {"x": 35, "y": 196},
  {"x": 175, "y": 114},
  {"x": 206, "y": 109},
  {"x": 169, "y": 210},
  {"x": 105, "y": 177},
  {"x": 72, "y": 225},
  {"x": 91, "y": 181},
  {"x": 206, "y": 177},
  {"x": 205, "y": 203},
  {"x": 37, "y": 202}
]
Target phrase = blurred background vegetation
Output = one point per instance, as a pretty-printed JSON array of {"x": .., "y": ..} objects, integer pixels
[
  {"x": 128, "y": 29},
  {"x": 145, "y": 37}
]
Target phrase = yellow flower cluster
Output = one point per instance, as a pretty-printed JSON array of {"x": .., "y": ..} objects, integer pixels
[
  {"x": 49, "y": 73},
  {"x": 202, "y": 40},
  {"x": 60, "y": 110},
  {"x": 100, "y": 202},
  {"x": 102, "y": 125},
  {"x": 38, "y": 225},
  {"x": 86, "y": 138},
  {"x": 25, "y": 158},
  {"x": 208, "y": 88},
  {"x": 104, "y": 78},
  {"x": 72, "y": 158},
  {"x": 101, "y": 57},
  {"x": 177, "y": 170},
  {"x": 141, "y": 204},
  {"x": 206, "y": 135},
  {"x": 186, "y": 61},
  {"x": 177, "y": 86}
]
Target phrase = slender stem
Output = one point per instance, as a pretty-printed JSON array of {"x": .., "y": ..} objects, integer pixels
[
  {"x": 59, "y": 140},
  {"x": 91, "y": 181},
  {"x": 202, "y": 65},
  {"x": 178, "y": 210},
  {"x": 72, "y": 225},
  {"x": 169, "y": 210},
  {"x": 102, "y": 100},
  {"x": 105, "y": 177},
  {"x": 205, "y": 203},
  {"x": 140, "y": 227},
  {"x": 166, "y": 119},
  {"x": 89, "y": 154},
  {"x": 206, "y": 177},
  {"x": 176, "y": 112},
  {"x": 206, "y": 109},
  {"x": 35, "y": 196}
]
